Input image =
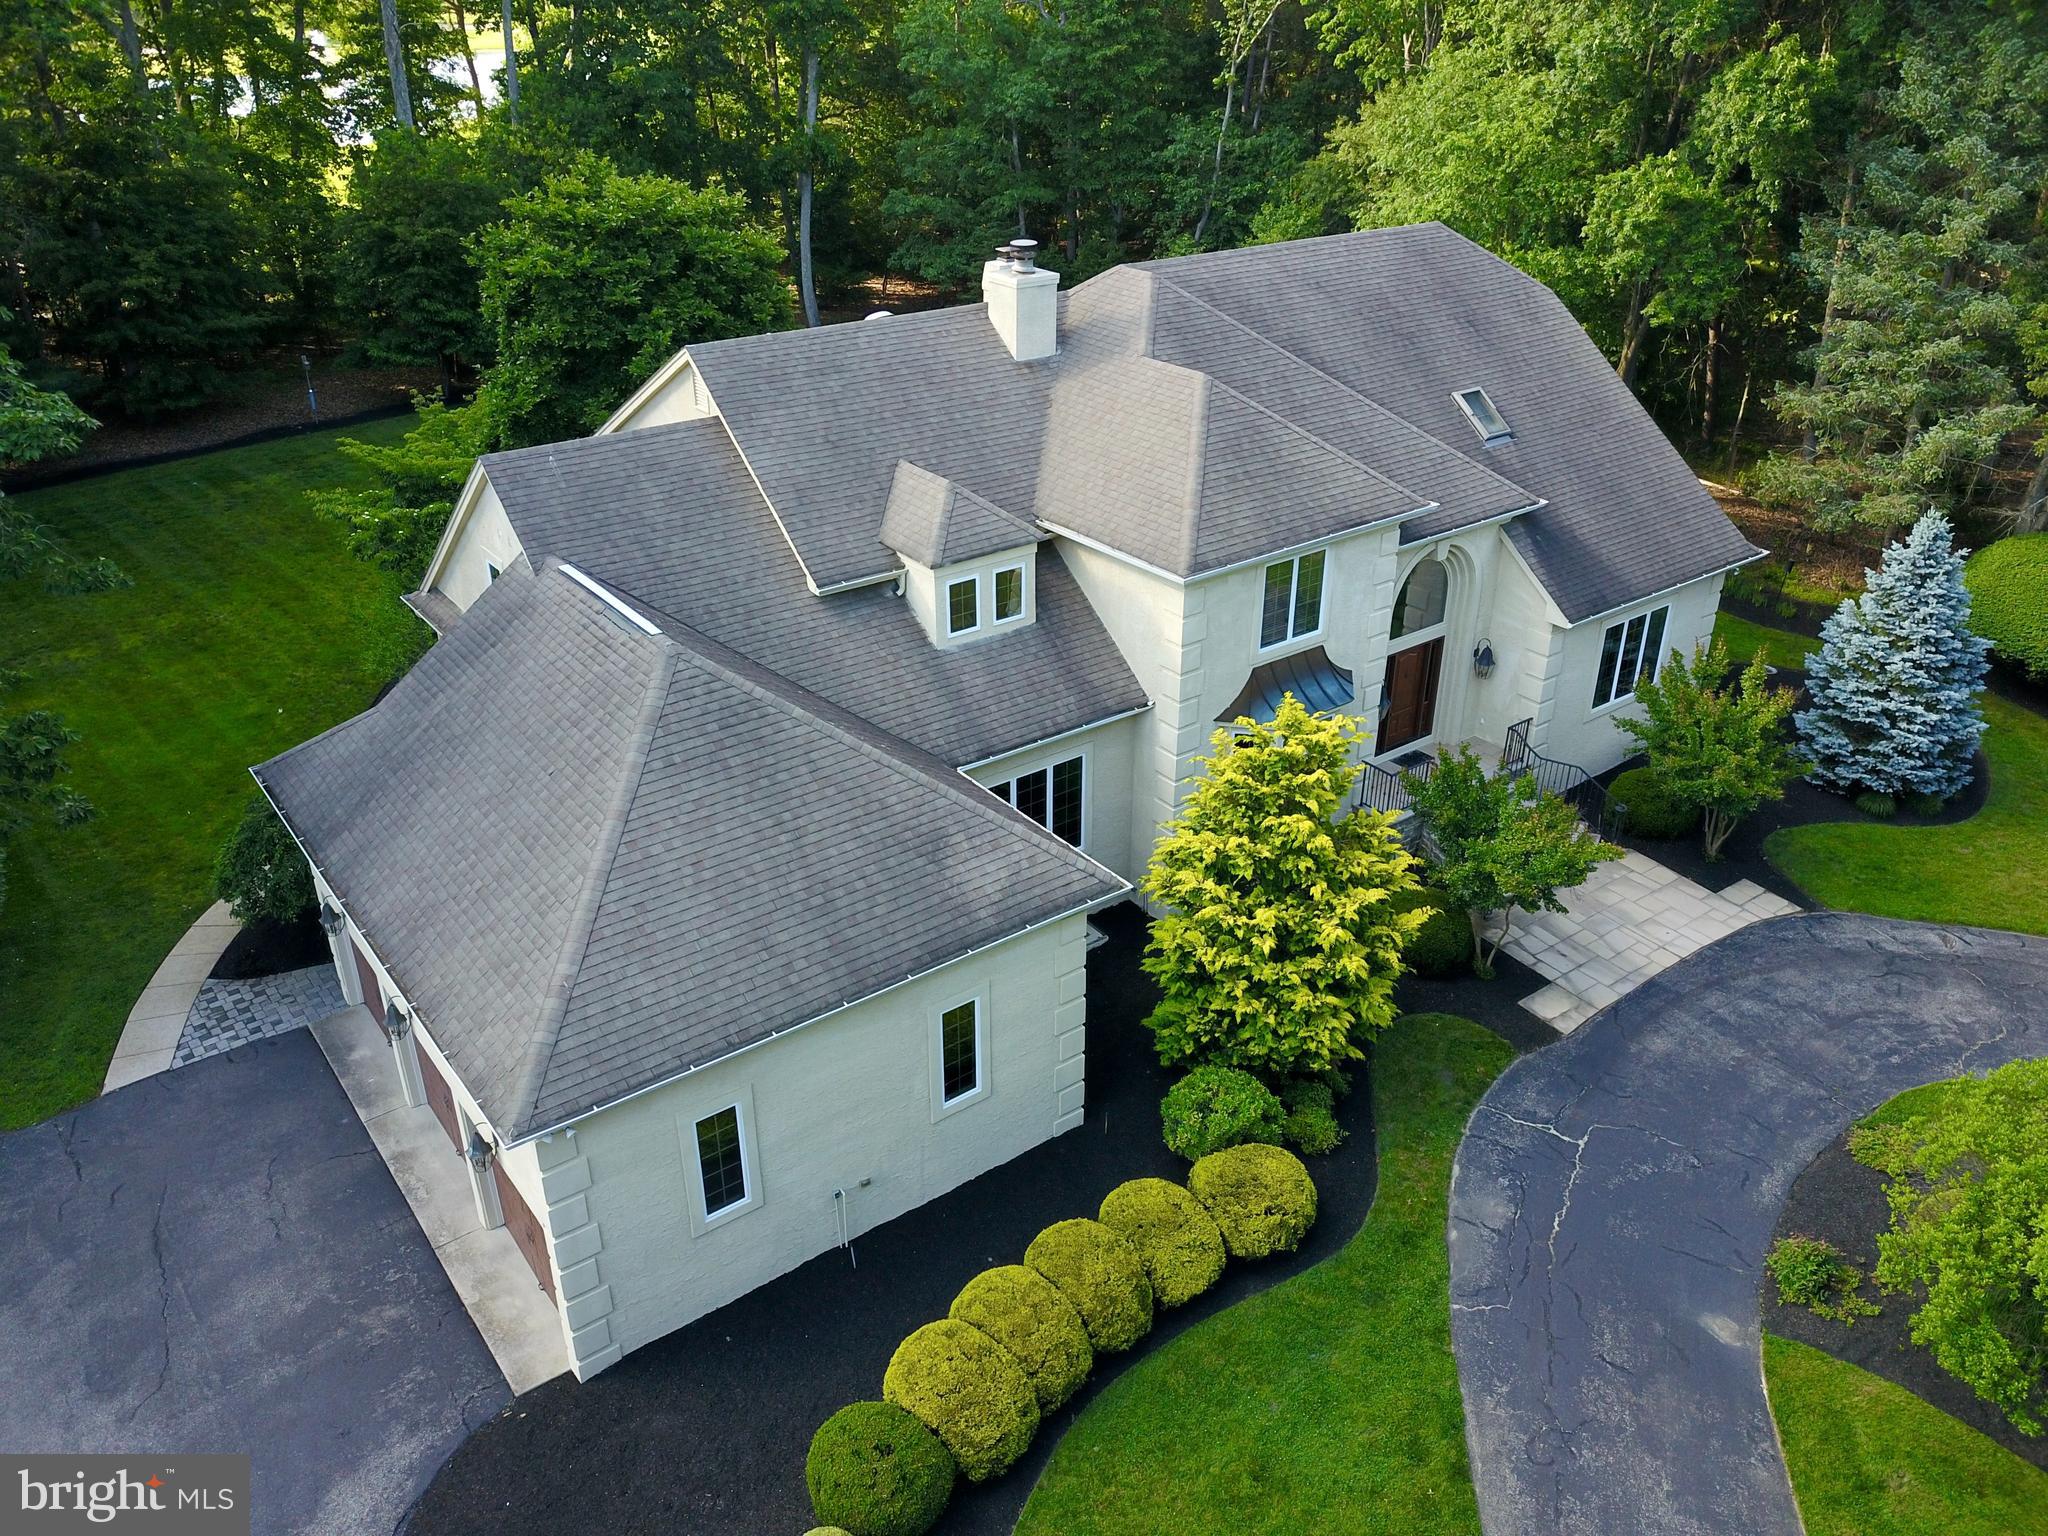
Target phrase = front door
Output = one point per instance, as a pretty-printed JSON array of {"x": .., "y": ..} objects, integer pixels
[{"x": 1408, "y": 703}]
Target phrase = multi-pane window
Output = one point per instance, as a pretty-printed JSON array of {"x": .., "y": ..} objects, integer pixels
[
  {"x": 721, "y": 1162},
  {"x": 963, "y": 606},
  {"x": 1630, "y": 653},
  {"x": 1486, "y": 420},
  {"x": 960, "y": 1051},
  {"x": 1052, "y": 797},
  {"x": 1293, "y": 604},
  {"x": 1009, "y": 593}
]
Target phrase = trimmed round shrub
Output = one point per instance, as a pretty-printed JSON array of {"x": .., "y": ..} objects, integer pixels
[
  {"x": 1260, "y": 1197},
  {"x": 828, "y": 1530},
  {"x": 1312, "y": 1127},
  {"x": 2008, "y": 582},
  {"x": 1652, "y": 810},
  {"x": 1443, "y": 943},
  {"x": 1101, "y": 1275},
  {"x": 969, "y": 1391},
  {"x": 1027, "y": 1314},
  {"x": 1884, "y": 807},
  {"x": 1175, "y": 1238},
  {"x": 1216, "y": 1107},
  {"x": 875, "y": 1470}
]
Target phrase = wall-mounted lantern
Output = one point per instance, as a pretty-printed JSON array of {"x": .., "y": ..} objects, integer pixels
[
  {"x": 330, "y": 920},
  {"x": 396, "y": 1020},
  {"x": 1482, "y": 659}
]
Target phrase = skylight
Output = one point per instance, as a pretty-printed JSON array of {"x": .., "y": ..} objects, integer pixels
[{"x": 1491, "y": 426}]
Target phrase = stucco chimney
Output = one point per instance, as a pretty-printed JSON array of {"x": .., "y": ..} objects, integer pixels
[{"x": 1023, "y": 301}]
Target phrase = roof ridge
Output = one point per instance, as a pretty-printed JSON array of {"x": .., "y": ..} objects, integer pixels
[
  {"x": 1198, "y": 461},
  {"x": 554, "y": 1007},
  {"x": 1323, "y": 443},
  {"x": 1338, "y": 384}
]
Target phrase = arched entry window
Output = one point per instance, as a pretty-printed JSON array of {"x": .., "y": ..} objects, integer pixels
[{"x": 1421, "y": 603}]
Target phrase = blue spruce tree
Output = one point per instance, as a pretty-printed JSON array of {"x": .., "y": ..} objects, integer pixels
[{"x": 1894, "y": 688}]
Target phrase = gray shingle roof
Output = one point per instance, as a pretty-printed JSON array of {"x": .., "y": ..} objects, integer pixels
[
  {"x": 931, "y": 520},
  {"x": 640, "y": 876},
  {"x": 1624, "y": 516},
  {"x": 670, "y": 515},
  {"x": 1208, "y": 409}
]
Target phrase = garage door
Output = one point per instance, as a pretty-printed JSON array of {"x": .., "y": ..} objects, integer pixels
[
  {"x": 440, "y": 1098},
  {"x": 525, "y": 1230},
  {"x": 373, "y": 994}
]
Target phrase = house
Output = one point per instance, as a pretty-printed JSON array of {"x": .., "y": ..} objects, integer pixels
[{"x": 722, "y": 873}]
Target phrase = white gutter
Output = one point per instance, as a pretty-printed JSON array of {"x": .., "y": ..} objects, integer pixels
[
  {"x": 1634, "y": 602},
  {"x": 1033, "y": 746},
  {"x": 1088, "y": 906}
]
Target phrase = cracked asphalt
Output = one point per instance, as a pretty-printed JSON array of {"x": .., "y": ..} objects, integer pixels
[
  {"x": 1615, "y": 1193},
  {"x": 215, "y": 1259}
]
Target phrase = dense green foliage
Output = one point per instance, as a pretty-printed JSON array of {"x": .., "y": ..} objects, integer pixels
[
  {"x": 874, "y": 1470},
  {"x": 261, "y": 874},
  {"x": 1216, "y": 1107},
  {"x": 1102, "y": 1275},
  {"x": 1311, "y": 1127},
  {"x": 1868, "y": 1458},
  {"x": 396, "y": 520},
  {"x": 1653, "y": 811},
  {"x": 1500, "y": 843},
  {"x": 1029, "y": 1316},
  {"x": 1176, "y": 1240},
  {"x": 1719, "y": 751},
  {"x": 176, "y": 686},
  {"x": 1281, "y": 946},
  {"x": 1968, "y": 1192},
  {"x": 969, "y": 1391},
  {"x": 1812, "y": 1272},
  {"x": 1260, "y": 1197},
  {"x": 2008, "y": 583},
  {"x": 1328, "y": 1403},
  {"x": 1443, "y": 943}
]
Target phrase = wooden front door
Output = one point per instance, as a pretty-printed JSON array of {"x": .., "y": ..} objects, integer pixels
[
  {"x": 525, "y": 1230},
  {"x": 440, "y": 1097},
  {"x": 366, "y": 974},
  {"x": 1408, "y": 706}
]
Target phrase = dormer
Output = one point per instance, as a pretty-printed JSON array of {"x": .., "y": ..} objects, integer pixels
[{"x": 970, "y": 569}]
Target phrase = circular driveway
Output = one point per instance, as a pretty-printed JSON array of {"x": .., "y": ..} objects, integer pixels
[{"x": 1615, "y": 1192}]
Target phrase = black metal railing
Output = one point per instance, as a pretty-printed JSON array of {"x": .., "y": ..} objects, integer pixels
[
  {"x": 1383, "y": 789},
  {"x": 1586, "y": 794}
]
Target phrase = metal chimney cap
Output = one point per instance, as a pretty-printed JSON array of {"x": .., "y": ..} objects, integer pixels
[{"x": 1024, "y": 253}]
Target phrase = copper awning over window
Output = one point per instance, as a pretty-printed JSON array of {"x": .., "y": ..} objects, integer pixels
[{"x": 1314, "y": 679}]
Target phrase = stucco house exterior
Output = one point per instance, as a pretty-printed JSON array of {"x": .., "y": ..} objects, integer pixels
[{"x": 722, "y": 873}]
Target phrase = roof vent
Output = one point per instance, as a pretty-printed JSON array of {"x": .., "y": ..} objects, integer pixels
[{"x": 1023, "y": 301}]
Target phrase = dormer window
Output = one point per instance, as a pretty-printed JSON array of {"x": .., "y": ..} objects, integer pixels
[
  {"x": 1009, "y": 593},
  {"x": 1488, "y": 422},
  {"x": 963, "y": 606}
]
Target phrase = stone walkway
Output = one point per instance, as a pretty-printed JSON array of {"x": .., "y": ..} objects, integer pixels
[
  {"x": 1630, "y": 920},
  {"x": 156, "y": 1023},
  {"x": 226, "y": 1014}
]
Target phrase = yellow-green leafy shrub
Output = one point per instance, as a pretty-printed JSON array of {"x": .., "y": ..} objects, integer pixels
[
  {"x": 1029, "y": 1316},
  {"x": 969, "y": 1391},
  {"x": 1260, "y": 1196},
  {"x": 1101, "y": 1275},
  {"x": 1175, "y": 1238}
]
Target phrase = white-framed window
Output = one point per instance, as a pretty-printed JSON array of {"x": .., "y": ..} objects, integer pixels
[
  {"x": 1293, "y": 606},
  {"x": 725, "y": 1176},
  {"x": 491, "y": 572},
  {"x": 1486, "y": 420},
  {"x": 1054, "y": 796},
  {"x": 959, "y": 1053},
  {"x": 1630, "y": 653},
  {"x": 1009, "y": 594},
  {"x": 963, "y": 605}
]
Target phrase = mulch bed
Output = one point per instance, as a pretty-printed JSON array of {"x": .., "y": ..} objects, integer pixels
[
  {"x": 1839, "y": 1199},
  {"x": 266, "y": 948},
  {"x": 705, "y": 1430}
]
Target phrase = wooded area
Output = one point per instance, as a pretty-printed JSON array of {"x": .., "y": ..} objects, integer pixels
[{"x": 1814, "y": 227}]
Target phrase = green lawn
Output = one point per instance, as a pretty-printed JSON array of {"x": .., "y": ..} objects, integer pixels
[
  {"x": 249, "y": 627},
  {"x": 1329, "y": 1403},
  {"x": 1870, "y": 1459},
  {"x": 1987, "y": 871}
]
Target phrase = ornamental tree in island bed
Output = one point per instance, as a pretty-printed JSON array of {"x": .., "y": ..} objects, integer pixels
[
  {"x": 1501, "y": 844},
  {"x": 1282, "y": 941},
  {"x": 1719, "y": 751},
  {"x": 1894, "y": 686}
]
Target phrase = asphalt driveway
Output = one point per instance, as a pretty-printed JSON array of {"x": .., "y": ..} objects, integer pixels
[
  {"x": 215, "y": 1260},
  {"x": 1615, "y": 1193}
]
